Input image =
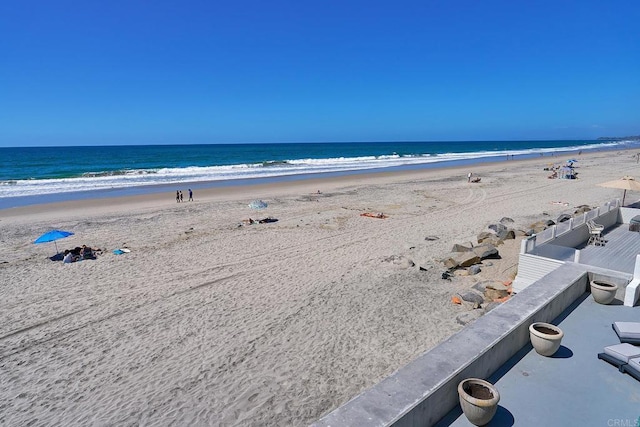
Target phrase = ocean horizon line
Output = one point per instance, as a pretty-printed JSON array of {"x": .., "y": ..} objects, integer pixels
[{"x": 390, "y": 141}]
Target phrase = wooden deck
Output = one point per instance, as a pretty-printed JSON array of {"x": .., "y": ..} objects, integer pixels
[{"x": 619, "y": 253}]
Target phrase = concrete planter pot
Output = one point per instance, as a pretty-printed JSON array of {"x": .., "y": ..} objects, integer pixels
[
  {"x": 478, "y": 399},
  {"x": 603, "y": 292},
  {"x": 545, "y": 338}
]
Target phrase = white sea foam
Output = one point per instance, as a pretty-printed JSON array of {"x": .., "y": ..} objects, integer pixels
[{"x": 140, "y": 177}]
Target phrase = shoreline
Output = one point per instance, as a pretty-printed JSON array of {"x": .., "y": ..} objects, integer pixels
[
  {"x": 157, "y": 195},
  {"x": 114, "y": 193},
  {"x": 209, "y": 320}
]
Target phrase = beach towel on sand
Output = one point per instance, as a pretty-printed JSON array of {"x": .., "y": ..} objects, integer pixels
[{"x": 379, "y": 215}]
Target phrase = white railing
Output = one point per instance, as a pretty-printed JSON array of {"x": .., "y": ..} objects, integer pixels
[
  {"x": 563, "y": 227},
  {"x": 530, "y": 243},
  {"x": 579, "y": 220},
  {"x": 544, "y": 236}
]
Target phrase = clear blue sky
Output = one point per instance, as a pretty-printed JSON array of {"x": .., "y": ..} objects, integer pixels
[{"x": 137, "y": 72}]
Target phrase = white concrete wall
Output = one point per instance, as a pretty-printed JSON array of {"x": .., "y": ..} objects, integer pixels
[{"x": 532, "y": 268}]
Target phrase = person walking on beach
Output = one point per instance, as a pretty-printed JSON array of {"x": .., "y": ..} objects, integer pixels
[
  {"x": 177, "y": 196},
  {"x": 469, "y": 177},
  {"x": 181, "y": 196},
  {"x": 190, "y": 195}
]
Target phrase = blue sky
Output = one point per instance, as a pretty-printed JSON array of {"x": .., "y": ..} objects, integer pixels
[{"x": 134, "y": 72}]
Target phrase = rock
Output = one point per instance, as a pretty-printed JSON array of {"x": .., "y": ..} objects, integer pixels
[
  {"x": 431, "y": 238},
  {"x": 541, "y": 225},
  {"x": 506, "y": 220},
  {"x": 467, "y": 259},
  {"x": 450, "y": 263},
  {"x": 485, "y": 235},
  {"x": 582, "y": 209},
  {"x": 492, "y": 294},
  {"x": 460, "y": 248},
  {"x": 495, "y": 290},
  {"x": 497, "y": 227},
  {"x": 472, "y": 297},
  {"x": 473, "y": 270},
  {"x": 498, "y": 286},
  {"x": 506, "y": 234},
  {"x": 480, "y": 287},
  {"x": 461, "y": 259},
  {"x": 486, "y": 250},
  {"x": 563, "y": 218}
]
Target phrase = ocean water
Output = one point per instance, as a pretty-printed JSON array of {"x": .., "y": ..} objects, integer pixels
[{"x": 41, "y": 174}]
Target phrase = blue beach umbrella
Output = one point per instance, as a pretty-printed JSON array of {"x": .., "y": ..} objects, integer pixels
[{"x": 52, "y": 236}]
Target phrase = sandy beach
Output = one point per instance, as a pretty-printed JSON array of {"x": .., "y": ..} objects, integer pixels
[{"x": 212, "y": 320}]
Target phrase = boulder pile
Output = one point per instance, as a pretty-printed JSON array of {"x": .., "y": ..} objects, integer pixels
[
  {"x": 467, "y": 259},
  {"x": 468, "y": 255}
]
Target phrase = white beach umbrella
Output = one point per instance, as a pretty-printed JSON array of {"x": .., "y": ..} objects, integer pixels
[
  {"x": 258, "y": 204},
  {"x": 625, "y": 183}
]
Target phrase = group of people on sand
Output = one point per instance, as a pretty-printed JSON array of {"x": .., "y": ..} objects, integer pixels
[
  {"x": 564, "y": 172},
  {"x": 78, "y": 254},
  {"x": 179, "y": 197}
]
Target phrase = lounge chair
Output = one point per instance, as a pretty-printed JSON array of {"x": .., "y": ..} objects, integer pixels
[
  {"x": 628, "y": 332},
  {"x": 625, "y": 357}
]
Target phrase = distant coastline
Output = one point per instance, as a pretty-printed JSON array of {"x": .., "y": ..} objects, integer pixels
[{"x": 620, "y": 138}]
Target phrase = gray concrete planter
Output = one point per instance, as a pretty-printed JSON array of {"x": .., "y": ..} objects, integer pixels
[
  {"x": 478, "y": 399},
  {"x": 603, "y": 292},
  {"x": 545, "y": 338}
]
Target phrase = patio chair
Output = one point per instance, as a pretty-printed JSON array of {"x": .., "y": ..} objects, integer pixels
[
  {"x": 595, "y": 234},
  {"x": 595, "y": 226}
]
